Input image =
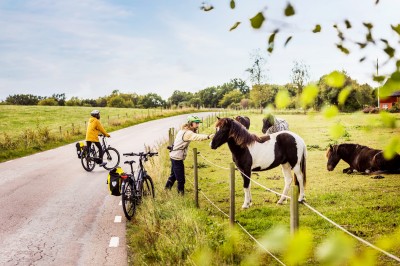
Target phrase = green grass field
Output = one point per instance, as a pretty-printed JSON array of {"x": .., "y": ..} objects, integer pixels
[
  {"x": 29, "y": 129},
  {"x": 366, "y": 207}
]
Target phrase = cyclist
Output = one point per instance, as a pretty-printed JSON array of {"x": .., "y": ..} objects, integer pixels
[
  {"x": 92, "y": 134},
  {"x": 179, "y": 149}
]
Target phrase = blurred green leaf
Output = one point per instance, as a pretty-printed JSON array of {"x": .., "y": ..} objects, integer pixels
[
  {"x": 335, "y": 79},
  {"x": 330, "y": 112},
  {"x": 369, "y": 26},
  {"x": 232, "y": 4},
  {"x": 317, "y": 28},
  {"x": 396, "y": 28},
  {"x": 234, "y": 26},
  {"x": 342, "y": 49},
  {"x": 203, "y": 256},
  {"x": 257, "y": 20},
  {"x": 282, "y": 99},
  {"x": 392, "y": 148},
  {"x": 276, "y": 239},
  {"x": 389, "y": 51},
  {"x": 271, "y": 38},
  {"x": 289, "y": 10},
  {"x": 379, "y": 78},
  {"x": 288, "y": 40},
  {"x": 337, "y": 131},
  {"x": 362, "y": 45},
  {"x": 388, "y": 119},
  {"x": 299, "y": 248},
  {"x": 335, "y": 250},
  {"x": 398, "y": 65},
  {"x": 348, "y": 24},
  {"x": 309, "y": 94},
  {"x": 344, "y": 93},
  {"x": 362, "y": 59}
]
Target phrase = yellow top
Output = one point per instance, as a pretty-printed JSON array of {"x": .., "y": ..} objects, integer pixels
[{"x": 93, "y": 129}]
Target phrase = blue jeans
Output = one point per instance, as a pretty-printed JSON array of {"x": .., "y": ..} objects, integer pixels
[{"x": 177, "y": 174}]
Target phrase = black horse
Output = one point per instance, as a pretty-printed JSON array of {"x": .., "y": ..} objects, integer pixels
[
  {"x": 253, "y": 153},
  {"x": 244, "y": 120},
  {"x": 272, "y": 124},
  {"x": 362, "y": 159}
]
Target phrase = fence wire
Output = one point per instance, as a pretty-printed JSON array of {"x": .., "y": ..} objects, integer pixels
[{"x": 313, "y": 210}]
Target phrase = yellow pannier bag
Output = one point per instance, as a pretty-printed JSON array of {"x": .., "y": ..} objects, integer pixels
[{"x": 114, "y": 181}]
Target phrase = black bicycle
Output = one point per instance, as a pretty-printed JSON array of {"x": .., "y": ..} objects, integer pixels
[
  {"x": 136, "y": 185},
  {"x": 90, "y": 156}
]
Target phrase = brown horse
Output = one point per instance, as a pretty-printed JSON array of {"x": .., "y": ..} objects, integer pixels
[
  {"x": 361, "y": 159},
  {"x": 244, "y": 120}
]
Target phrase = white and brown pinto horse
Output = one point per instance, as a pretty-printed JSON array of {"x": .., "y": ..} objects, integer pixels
[
  {"x": 253, "y": 153},
  {"x": 361, "y": 159}
]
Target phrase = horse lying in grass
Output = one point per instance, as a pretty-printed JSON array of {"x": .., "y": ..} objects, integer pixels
[
  {"x": 253, "y": 153},
  {"x": 244, "y": 120},
  {"x": 361, "y": 159}
]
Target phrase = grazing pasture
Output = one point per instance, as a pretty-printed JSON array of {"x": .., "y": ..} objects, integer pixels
[{"x": 366, "y": 207}]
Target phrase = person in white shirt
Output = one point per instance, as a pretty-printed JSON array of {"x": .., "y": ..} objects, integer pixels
[{"x": 179, "y": 150}]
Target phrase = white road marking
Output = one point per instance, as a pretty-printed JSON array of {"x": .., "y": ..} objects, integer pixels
[
  {"x": 114, "y": 242},
  {"x": 117, "y": 219}
]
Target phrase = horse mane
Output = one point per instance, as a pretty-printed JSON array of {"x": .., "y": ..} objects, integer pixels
[{"x": 242, "y": 137}]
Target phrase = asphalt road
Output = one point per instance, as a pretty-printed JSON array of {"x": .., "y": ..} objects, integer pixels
[{"x": 53, "y": 212}]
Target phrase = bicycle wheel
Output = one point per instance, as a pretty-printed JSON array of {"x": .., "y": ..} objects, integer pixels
[
  {"x": 148, "y": 188},
  {"x": 111, "y": 157},
  {"x": 128, "y": 199},
  {"x": 87, "y": 160}
]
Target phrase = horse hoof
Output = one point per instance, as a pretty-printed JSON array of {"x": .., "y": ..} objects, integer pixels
[
  {"x": 245, "y": 206},
  {"x": 279, "y": 203}
]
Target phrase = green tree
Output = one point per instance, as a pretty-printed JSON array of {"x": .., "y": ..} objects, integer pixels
[
  {"x": 23, "y": 99},
  {"x": 240, "y": 85},
  {"x": 48, "y": 101},
  {"x": 151, "y": 100},
  {"x": 233, "y": 96},
  {"x": 256, "y": 71},
  {"x": 300, "y": 75}
]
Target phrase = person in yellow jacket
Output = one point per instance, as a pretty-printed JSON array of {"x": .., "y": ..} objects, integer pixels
[
  {"x": 92, "y": 134},
  {"x": 179, "y": 150}
]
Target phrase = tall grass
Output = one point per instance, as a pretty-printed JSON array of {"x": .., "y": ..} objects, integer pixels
[{"x": 171, "y": 231}]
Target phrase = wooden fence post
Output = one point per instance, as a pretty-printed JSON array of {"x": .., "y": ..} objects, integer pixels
[
  {"x": 196, "y": 179},
  {"x": 294, "y": 210},
  {"x": 232, "y": 195}
]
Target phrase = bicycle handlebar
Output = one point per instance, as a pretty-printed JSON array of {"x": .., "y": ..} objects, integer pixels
[{"x": 141, "y": 154}]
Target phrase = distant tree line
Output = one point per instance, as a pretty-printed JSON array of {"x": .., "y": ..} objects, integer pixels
[{"x": 234, "y": 94}]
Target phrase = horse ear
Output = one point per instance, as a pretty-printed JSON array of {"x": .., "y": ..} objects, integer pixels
[
  {"x": 330, "y": 146},
  {"x": 218, "y": 118}
]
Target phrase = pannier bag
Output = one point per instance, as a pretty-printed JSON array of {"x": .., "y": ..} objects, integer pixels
[
  {"x": 114, "y": 181},
  {"x": 79, "y": 148}
]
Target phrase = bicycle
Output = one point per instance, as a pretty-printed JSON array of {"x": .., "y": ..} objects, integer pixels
[
  {"x": 90, "y": 156},
  {"x": 136, "y": 187}
]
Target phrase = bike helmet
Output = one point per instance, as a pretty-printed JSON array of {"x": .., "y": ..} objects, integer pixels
[
  {"x": 95, "y": 113},
  {"x": 193, "y": 118}
]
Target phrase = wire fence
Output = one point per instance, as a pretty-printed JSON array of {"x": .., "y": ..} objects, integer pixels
[{"x": 304, "y": 203}]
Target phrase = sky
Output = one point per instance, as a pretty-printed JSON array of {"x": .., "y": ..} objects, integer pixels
[{"x": 89, "y": 48}]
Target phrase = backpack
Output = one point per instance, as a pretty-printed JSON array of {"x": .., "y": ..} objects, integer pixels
[
  {"x": 79, "y": 148},
  {"x": 114, "y": 181}
]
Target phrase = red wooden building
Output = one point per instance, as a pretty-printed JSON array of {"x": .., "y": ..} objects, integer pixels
[{"x": 388, "y": 102}]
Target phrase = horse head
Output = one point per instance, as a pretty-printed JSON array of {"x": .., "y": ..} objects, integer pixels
[
  {"x": 268, "y": 122},
  {"x": 222, "y": 127},
  {"x": 333, "y": 157},
  {"x": 244, "y": 120}
]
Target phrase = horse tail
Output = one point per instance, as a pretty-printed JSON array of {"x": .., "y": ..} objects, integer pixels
[{"x": 302, "y": 169}]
